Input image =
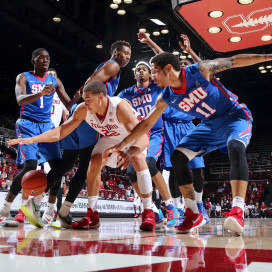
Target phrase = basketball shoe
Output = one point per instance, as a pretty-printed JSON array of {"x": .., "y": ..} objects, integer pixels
[
  {"x": 203, "y": 211},
  {"x": 20, "y": 217},
  {"x": 148, "y": 220},
  {"x": 32, "y": 213},
  {"x": 63, "y": 221},
  {"x": 48, "y": 216},
  {"x": 172, "y": 216},
  {"x": 5, "y": 218},
  {"x": 181, "y": 216},
  {"x": 159, "y": 216},
  {"x": 90, "y": 221},
  {"x": 191, "y": 222},
  {"x": 235, "y": 221}
]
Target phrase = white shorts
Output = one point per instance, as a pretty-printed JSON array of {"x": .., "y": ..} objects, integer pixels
[{"x": 105, "y": 143}]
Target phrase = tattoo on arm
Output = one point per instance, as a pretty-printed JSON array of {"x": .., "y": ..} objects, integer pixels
[{"x": 215, "y": 66}]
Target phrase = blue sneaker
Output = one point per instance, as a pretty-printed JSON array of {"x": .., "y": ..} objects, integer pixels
[
  {"x": 203, "y": 211},
  {"x": 181, "y": 216},
  {"x": 173, "y": 216},
  {"x": 159, "y": 216}
]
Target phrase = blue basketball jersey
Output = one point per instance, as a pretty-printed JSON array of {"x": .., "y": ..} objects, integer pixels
[
  {"x": 83, "y": 136},
  {"x": 39, "y": 110},
  {"x": 173, "y": 115},
  {"x": 202, "y": 98},
  {"x": 112, "y": 83},
  {"x": 143, "y": 99}
]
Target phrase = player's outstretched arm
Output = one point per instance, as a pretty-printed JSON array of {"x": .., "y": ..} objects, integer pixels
[
  {"x": 144, "y": 38},
  {"x": 187, "y": 47},
  {"x": 20, "y": 91},
  {"x": 104, "y": 73},
  {"x": 210, "y": 67},
  {"x": 58, "y": 133}
]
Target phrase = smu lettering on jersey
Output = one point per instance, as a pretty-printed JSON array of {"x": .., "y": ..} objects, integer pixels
[
  {"x": 143, "y": 99},
  {"x": 40, "y": 109},
  {"x": 202, "y": 98},
  {"x": 112, "y": 83},
  {"x": 108, "y": 125}
]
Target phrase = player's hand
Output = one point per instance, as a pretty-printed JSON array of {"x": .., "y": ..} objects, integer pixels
[
  {"x": 113, "y": 149},
  {"x": 78, "y": 93},
  {"x": 48, "y": 89},
  {"x": 123, "y": 159},
  {"x": 22, "y": 141},
  {"x": 143, "y": 37},
  {"x": 186, "y": 43}
]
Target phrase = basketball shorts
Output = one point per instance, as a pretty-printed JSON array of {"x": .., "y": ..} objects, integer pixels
[
  {"x": 174, "y": 132},
  {"x": 42, "y": 152},
  {"x": 155, "y": 144},
  {"x": 213, "y": 134},
  {"x": 105, "y": 143}
]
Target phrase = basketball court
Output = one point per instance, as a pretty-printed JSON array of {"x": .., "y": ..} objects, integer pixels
[{"x": 119, "y": 246}]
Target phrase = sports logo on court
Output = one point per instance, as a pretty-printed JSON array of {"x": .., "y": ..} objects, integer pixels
[{"x": 257, "y": 20}]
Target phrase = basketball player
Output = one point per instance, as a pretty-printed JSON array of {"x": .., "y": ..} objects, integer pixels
[
  {"x": 113, "y": 118},
  {"x": 34, "y": 93},
  {"x": 142, "y": 97},
  {"x": 177, "y": 125},
  {"x": 225, "y": 123}
]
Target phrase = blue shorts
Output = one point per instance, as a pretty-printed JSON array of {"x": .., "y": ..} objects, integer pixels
[
  {"x": 174, "y": 132},
  {"x": 42, "y": 152},
  {"x": 80, "y": 138},
  {"x": 155, "y": 144},
  {"x": 213, "y": 134}
]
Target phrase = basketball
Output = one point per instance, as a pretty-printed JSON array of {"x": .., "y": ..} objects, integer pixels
[{"x": 34, "y": 182}]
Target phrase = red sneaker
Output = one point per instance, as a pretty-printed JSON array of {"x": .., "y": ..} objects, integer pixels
[
  {"x": 94, "y": 219},
  {"x": 139, "y": 216},
  {"x": 148, "y": 220},
  {"x": 191, "y": 221},
  {"x": 20, "y": 217},
  {"x": 135, "y": 215},
  {"x": 235, "y": 221},
  {"x": 82, "y": 224}
]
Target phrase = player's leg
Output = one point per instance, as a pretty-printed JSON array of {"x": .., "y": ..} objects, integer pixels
[
  {"x": 75, "y": 186},
  {"x": 145, "y": 187},
  {"x": 20, "y": 217}
]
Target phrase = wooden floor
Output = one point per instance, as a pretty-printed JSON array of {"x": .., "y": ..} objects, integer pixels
[{"x": 119, "y": 246}]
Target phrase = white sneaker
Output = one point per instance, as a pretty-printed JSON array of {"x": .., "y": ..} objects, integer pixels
[
  {"x": 32, "y": 213},
  {"x": 4, "y": 213},
  {"x": 48, "y": 217},
  {"x": 5, "y": 218}
]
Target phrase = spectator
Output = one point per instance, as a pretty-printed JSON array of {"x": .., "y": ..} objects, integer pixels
[
  {"x": 3, "y": 186},
  {"x": 246, "y": 211},
  {"x": 102, "y": 186},
  {"x": 102, "y": 195},
  {"x": 2, "y": 178},
  {"x": 255, "y": 189},
  {"x": 83, "y": 193},
  {"x": 116, "y": 196},
  {"x": 8, "y": 183},
  {"x": 121, "y": 185},
  {"x": 255, "y": 213},
  {"x": 3, "y": 172},
  {"x": 109, "y": 196},
  {"x": 123, "y": 197},
  {"x": 263, "y": 213},
  {"x": 128, "y": 191},
  {"x": 218, "y": 210},
  {"x": 251, "y": 207},
  {"x": 106, "y": 186},
  {"x": 213, "y": 209}
]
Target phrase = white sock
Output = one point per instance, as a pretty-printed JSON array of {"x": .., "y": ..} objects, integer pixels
[
  {"x": 24, "y": 201},
  {"x": 198, "y": 196},
  {"x": 147, "y": 202},
  {"x": 38, "y": 199},
  {"x": 50, "y": 207},
  {"x": 65, "y": 208},
  {"x": 6, "y": 206},
  {"x": 191, "y": 204},
  {"x": 238, "y": 202},
  {"x": 92, "y": 201},
  {"x": 168, "y": 201},
  {"x": 177, "y": 202},
  {"x": 154, "y": 208}
]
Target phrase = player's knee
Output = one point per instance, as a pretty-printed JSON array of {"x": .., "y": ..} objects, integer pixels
[
  {"x": 96, "y": 162},
  {"x": 131, "y": 173},
  {"x": 30, "y": 165},
  {"x": 237, "y": 156},
  {"x": 178, "y": 159},
  {"x": 151, "y": 163}
]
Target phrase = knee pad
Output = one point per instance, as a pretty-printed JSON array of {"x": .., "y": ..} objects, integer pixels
[
  {"x": 198, "y": 179},
  {"x": 238, "y": 162},
  {"x": 144, "y": 181},
  {"x": 181, "y": 168},
  {"x": 151, "y": 162},
  {"x": 131, "y": 173}
]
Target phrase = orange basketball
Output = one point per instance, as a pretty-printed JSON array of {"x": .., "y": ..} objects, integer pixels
[{"x": 34, "y": 182}]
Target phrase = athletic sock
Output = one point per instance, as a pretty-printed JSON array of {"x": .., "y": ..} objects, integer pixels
[
  {"x": 238, "y": 202},
  {"x": 177, "y": 202},
  {"x": 50, "y": 207},
  {"x": 198, "y": 196},
  {"x": 168, "y": 201},
  {"x": 24, "y": 201},
  {"x": 6, "y": 206},
  {"x": 38, "y": 199},
  {"x": 147, "y": 202},
  {"x": 65, "y": 208},
  {"x": 154, "y": 208},
  {"x": 92, "y": 201},
  {"x": 191, "y": 204}
]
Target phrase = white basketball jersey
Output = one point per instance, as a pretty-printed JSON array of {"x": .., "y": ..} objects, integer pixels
[
  {"x": 57, "y": 109},
  {"x": 109, "y": 125}
]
